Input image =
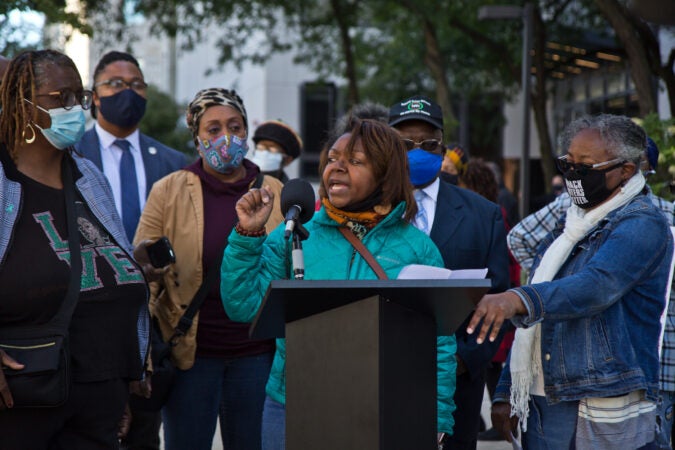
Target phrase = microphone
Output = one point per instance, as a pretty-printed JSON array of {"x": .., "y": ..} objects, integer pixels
[{"x": 297, "y": 203}]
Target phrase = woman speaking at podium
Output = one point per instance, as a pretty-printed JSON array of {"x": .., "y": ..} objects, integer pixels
[{"x": 365, "y": 188}]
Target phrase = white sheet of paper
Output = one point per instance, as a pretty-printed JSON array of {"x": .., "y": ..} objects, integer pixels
[{"x": 422, "y": 272}]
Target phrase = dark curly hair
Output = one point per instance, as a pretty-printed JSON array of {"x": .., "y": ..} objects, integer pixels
[{"x": 479, "y": 178}]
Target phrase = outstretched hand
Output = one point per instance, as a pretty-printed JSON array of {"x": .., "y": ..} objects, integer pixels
[
  {"x": 493, "y": 310},
  {"x": 254, "y": 208},
  {"x": 6, "y": 362}
]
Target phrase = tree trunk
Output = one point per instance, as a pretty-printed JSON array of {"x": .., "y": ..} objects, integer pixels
[
  {"x": 434, "y": 61},
  {"x": 347, "y": 50},
  {"x": 539, "y": 97},
  {"x": 640, "y": 71}
]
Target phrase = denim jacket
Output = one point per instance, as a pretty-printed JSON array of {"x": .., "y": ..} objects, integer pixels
[
  {"x": 600, "y": 315},
  {"x": 95, "y": 191}
]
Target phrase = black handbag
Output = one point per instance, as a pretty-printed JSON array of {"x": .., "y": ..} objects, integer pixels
[
  {"x": 43, "y": 350},
  {"x": 163, "y": 372},
  {"x": 45, "y": 380}
]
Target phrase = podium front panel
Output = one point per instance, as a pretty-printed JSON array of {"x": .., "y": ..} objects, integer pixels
[
  {"x": 449, "y": 302},
  {"x": 361, "y": 376}
]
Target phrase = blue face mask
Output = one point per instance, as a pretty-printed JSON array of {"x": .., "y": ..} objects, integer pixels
[
  {"x": 224, "y": 153},
  {"x": 67, "y": 126},
  {"x": 424, "y": 166},
  {"x": 124, "y": 109}
]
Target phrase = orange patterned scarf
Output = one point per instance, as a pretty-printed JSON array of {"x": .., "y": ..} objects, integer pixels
[{"x": 359, "y": 222}]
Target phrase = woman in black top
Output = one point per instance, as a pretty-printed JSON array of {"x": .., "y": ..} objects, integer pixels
[{"x": 42, "y": 118}]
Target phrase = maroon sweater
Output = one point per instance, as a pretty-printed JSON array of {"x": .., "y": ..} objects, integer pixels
[{"x": 217, "y": 335}]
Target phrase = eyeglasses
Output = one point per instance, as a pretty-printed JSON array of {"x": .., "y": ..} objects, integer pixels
[
  {"x": 117, "y": 84},
  {"x": 582, "y": 169},
  {"x": 429, "y": 145},
  {"x": 68, "y": 98}
]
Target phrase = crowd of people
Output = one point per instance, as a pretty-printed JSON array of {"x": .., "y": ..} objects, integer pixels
[{"x": 579, "y": 356}]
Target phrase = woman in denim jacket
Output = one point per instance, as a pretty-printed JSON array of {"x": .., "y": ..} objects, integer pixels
[{"x": 583, "y": 371}]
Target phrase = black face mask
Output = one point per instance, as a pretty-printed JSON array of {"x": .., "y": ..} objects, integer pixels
[
  {"x": 124, "y": 109},
  {"x": 588, "y": 188}
]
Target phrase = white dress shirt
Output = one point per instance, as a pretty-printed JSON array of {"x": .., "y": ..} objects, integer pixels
[
  {"x": 110, "y": 159},
  {"x": 429, "y": 203}
]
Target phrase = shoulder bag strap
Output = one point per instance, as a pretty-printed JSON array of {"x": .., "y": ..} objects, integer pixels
[
  {"x": 370, "y": 259},
  {"x": 62, "y": 318},
  {"x": 186, "y": 319}
]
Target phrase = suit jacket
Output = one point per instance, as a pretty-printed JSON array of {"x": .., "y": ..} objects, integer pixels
[
  {"x": 157, "y": 164},
  {"x": 470, "y": 234}
]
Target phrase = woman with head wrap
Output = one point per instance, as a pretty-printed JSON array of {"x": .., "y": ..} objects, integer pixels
[{"x": 221, "y": 372}]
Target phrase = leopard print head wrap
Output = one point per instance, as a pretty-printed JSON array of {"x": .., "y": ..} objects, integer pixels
[{"x": 211, "y": 97}]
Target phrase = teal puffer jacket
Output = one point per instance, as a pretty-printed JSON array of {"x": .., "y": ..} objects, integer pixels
[{"x": 251, "y": 263}]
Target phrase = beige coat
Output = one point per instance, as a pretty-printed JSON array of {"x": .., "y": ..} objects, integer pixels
[{"x": 175, "y": 209}]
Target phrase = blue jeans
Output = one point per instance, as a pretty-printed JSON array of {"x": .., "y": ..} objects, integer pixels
[
  {"x": 233, "y": 390},
  {"x": 550, "y": 427},
  {"x": 274, "y": 425},
  {"x": 664, "y": 419}
]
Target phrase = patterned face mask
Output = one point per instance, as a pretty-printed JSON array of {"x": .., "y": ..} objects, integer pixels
[{"x": 224, "y": 153}]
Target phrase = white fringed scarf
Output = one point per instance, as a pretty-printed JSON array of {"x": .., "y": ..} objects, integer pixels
[{"x": 526, "y": 351}]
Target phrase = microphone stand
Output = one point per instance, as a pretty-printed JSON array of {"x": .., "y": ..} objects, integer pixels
[{"x": 300, "y": 233}]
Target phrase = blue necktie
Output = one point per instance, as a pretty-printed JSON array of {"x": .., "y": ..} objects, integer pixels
[
  {"x": 131, "y": 205},
  {"x": 421, "y": 219}
]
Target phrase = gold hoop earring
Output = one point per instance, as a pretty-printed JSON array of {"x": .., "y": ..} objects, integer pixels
[{"x": 31, "y": 139}]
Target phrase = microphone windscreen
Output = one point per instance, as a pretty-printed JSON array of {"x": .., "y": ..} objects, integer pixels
[{"x": 298, "y": 192}]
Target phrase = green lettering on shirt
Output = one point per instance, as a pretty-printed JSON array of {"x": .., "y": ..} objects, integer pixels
[
  {"x": 90, "y": 279},
  {"x": 46, "y": 221},
  {"x": 125, "y": 270}
]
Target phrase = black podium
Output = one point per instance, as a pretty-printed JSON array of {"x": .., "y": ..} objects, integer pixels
[{"x": 361, "y": 357}]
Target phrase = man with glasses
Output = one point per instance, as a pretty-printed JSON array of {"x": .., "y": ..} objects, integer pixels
[
  {"x": 132, "y": 162},
  {"x": 469, "y": 232}
]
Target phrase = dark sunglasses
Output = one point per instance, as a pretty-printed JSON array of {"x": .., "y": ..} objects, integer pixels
[
  {"x": 69, "y": 98},
  {"x": 582, "y": 169},
  {"x": 429, "y": 145}
]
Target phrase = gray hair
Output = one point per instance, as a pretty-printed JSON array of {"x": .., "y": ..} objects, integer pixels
[{"x": 622, "y": 137}]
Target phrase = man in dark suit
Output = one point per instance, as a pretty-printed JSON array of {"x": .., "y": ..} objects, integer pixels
[
  {"x": 469, "y": 232},
  {"x": 119, "y": 105},
  {"x": 132, "y": 162}
]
